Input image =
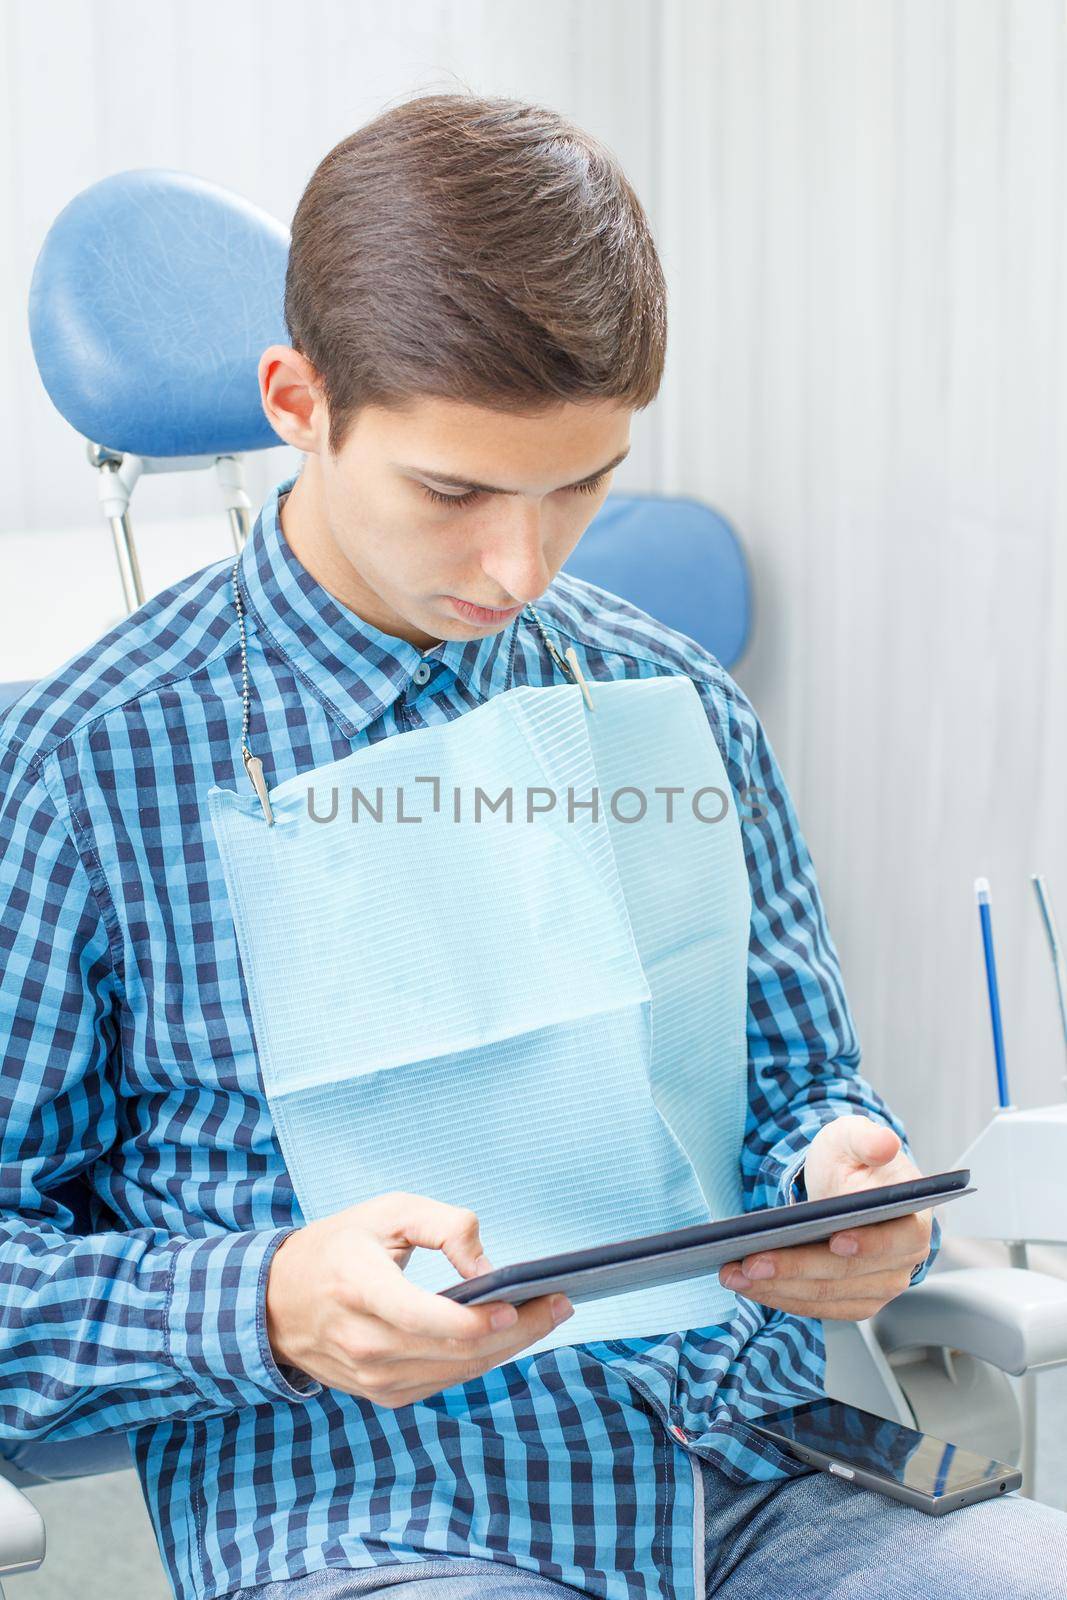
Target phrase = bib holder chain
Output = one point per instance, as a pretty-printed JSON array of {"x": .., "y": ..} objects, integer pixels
[
  {"x": 253, "y": 765},
  {"x": 568, "y": 667}
]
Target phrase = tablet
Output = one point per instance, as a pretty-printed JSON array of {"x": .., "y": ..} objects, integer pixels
[{"x": 696, "y": 1251}]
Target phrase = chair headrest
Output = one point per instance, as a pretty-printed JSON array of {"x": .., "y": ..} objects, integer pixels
[
  {"x": 677, "y": 559},
  {"x": 153, "y": 296}
]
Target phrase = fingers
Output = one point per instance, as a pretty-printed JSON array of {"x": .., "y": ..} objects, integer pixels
[
  {"x": 398, "y": 1222},
  {"x": 828, "y": 1297},
  {"x": 415, "y": 1219},
  {"x": 418, "y": 1370},
  {"x": 883, "y": 1242},
  {"x": 879, "y": 1246},
  {"x": 364, "y": 1327},
  {"x": 419, "y": 1313},
  {"x": 527, "y": 1323}
]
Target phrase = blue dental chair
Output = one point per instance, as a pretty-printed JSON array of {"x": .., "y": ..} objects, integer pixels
[{"x": 204, "y": 271}]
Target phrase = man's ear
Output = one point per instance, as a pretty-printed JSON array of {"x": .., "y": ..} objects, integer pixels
[{"x": 292, "y": 397}]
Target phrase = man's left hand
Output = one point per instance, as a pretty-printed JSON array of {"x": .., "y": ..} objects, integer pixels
[{"x": 854, "y": 1273}]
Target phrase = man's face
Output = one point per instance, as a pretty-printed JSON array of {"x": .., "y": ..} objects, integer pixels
[{"x": 416, "y": 538}]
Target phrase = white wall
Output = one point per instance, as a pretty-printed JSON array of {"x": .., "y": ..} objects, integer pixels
[{"x": 861, "y": 207}]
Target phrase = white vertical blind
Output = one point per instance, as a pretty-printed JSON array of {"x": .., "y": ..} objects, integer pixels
[
  {"x": 867, "y": 252},
  {"x": 860, "y": 205}
]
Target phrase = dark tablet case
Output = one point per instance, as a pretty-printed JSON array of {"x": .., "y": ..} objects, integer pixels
[{"x": 629, "y": 1264}]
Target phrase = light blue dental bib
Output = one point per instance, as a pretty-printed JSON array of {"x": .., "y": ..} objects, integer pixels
[{"x": 538, "y": 1015}]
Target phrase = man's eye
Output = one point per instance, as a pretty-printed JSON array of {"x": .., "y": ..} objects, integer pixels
[
  {"x": 590, "y": 486},
  {"x": 451, "y": 499}
]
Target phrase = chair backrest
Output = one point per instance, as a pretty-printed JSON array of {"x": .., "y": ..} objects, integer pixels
[
  {"x": 153, "y": 296},
  {"x": 678, "y": 560}
]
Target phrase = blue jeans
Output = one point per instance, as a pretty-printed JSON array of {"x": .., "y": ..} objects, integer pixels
[{"x": 809, "y": 1536}]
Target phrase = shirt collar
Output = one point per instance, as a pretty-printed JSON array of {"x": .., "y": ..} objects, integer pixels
[{"x": 352, "y": 666}]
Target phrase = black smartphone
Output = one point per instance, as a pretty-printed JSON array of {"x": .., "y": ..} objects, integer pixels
[{"x": 860, "y": 1448}]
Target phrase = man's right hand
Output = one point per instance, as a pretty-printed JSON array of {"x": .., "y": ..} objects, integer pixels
[{"x": 340, "y": 1308}]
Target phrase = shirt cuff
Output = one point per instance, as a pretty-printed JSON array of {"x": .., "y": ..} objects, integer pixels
[
  {"x": 216, "y": 1320},
  {"x": 781, "y": 1175},
  {"x": 792, "y": 1185}
]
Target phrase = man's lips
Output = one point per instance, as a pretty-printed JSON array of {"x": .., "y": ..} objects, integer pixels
[{"x": 476, "y": 613}]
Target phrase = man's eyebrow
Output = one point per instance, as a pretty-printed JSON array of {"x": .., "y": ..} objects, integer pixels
[{"x": 489, "y": 488}]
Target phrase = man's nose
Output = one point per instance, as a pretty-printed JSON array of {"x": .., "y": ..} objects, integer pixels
[{"x": 514, "y": 557}]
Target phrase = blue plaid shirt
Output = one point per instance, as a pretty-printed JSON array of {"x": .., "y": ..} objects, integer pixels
[{"x": 127, "y": 1054}]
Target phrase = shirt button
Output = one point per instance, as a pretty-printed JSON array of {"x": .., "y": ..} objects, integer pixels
[
  {"x": 679, "y": 1433},
  {"x": 421, "y": 674}
]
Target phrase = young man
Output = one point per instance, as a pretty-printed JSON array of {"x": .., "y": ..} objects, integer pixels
[{"x": 476, "y": 311}]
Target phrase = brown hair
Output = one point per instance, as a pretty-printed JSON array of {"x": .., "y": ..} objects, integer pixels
[{"x": 483, "y": 250}]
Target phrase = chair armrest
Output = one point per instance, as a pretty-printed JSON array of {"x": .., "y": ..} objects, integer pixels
[
  {"x": 32, "y": 1461},
  {"x": 1009, "y": 1316},
  {"x": 21, "y": 1531}
]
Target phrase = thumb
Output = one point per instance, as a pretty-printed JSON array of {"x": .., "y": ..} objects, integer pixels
[{"x": 869, "y": 1144}]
